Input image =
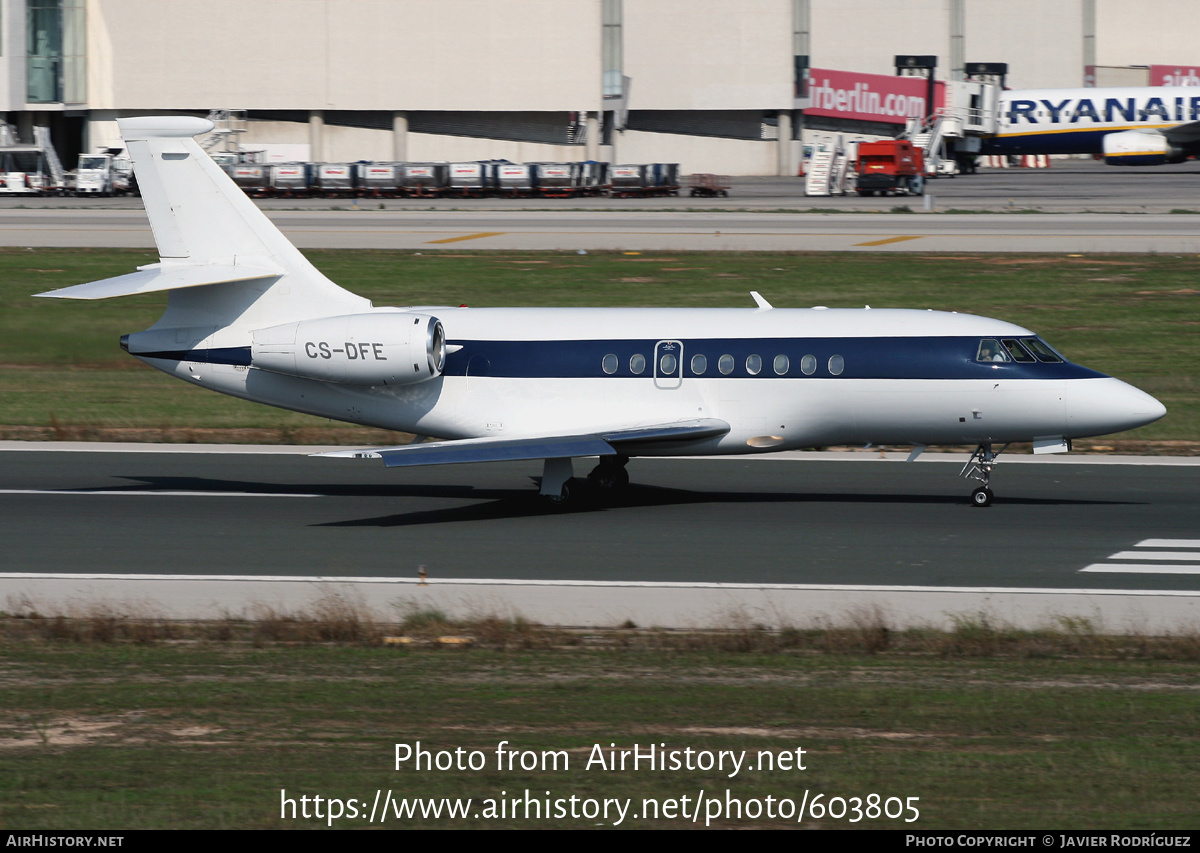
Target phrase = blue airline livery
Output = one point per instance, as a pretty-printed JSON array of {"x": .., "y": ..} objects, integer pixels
[{"x": 1144, "y": 126}]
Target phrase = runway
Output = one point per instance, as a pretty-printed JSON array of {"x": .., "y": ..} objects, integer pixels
[{"x": 691, "y": 536}]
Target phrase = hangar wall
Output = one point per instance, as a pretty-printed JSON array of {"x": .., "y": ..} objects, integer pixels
[
  {"x": 709, "y": 54},
  {"x": 710, "y": 80},
  {"x": 346, "y": 54},
  {"x": 1162, "y": 32}
]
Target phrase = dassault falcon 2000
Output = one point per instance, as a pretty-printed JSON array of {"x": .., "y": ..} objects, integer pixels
[{"x": 249, "y": 316}]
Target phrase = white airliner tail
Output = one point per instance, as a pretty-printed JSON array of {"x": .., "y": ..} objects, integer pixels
[{"x": 219, "y": 254}]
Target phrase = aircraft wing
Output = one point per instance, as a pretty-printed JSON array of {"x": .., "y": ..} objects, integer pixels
[
  {"x": 605, "y": 443},
  {"x": 1183, "y": 134}
]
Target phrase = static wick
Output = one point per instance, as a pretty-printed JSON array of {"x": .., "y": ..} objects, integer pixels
[{"x": 421, "y": 572}]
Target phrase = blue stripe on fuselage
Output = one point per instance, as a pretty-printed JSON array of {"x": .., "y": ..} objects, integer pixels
[
  {"x": 1083, "y": 141},
  {"x": 864, "y": 358}
]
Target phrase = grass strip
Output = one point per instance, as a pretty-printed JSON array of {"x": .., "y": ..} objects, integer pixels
[
  {"x": 1132, "y": 316},
  {"x": 114, "y": 722}
]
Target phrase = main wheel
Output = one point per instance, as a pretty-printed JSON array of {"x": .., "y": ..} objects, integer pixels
[
  {"x": 982, "y": 496},
  {"x": 560, "y": 500},
  {"x": 609, "y": 477}
]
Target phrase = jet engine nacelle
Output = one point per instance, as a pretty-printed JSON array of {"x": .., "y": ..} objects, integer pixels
[
  {"x": 1140, "y": 148},
  {"x": 386, "y": 348}
]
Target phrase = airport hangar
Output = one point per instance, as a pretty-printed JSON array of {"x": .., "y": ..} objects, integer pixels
[{"x": 714, "y": 85}]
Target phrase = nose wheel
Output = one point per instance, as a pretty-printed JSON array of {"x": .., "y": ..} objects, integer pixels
[
  {"x": 982, "y": 496},
  {"x": 979, "y": 467}
]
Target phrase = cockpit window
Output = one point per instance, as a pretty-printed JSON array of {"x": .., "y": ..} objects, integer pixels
[
  {"x": 1042, "y": 350},
  {"x": 1017, "y": 351},
  {"x": 990, "y": 350}
]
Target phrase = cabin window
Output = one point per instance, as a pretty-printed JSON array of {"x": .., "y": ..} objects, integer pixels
[
  {"x": 754, "y": 364},
  {"x": 699, "y": 365},
  {"x": 781, "y": 365},
  {"x": 667, "y": 365},
  {"x": 1017, "y": 351},
  {"x": 725, "y": 365},
  {"x": 637, "y": 365},
  {"x": 836, "y": 365},
  {"x": 1043, "y": 351},
  {"x": 609, "y": 364},
  {"x": 990, "y": 350},
  {"x": 808, "y": 365}
]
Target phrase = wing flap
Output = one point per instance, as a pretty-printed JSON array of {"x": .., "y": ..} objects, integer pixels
[
  {"x": 156, "y": 277},
  {"x": 547, "y": 447},
  {"x": 677, "y": 431}
]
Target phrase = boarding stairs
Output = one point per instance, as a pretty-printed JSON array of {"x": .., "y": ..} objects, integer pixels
[
  {"x": 41, "y": 136},
  {"x": 827, "y": 171},
  {"x": 841, "y": 165},
  {"x": 816, "y": 182},
  {"x": 929, "y": 135},
  {"x": 227, "y": 125}
]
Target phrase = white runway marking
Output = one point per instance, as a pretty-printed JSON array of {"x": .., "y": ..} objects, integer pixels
[
  {"x": 1155, "y": 555},
  {"x": 1142, "y": 569},
  {"x": 155, "y": 493},
  {"x": 1166, "y": 567},
  {"x": 644, "y": 585}
]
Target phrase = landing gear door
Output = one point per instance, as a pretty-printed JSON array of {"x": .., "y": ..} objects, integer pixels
[{"x": 668, "y": 365}]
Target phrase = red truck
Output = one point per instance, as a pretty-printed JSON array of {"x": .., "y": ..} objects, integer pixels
[{"x": 891, "y": 166}]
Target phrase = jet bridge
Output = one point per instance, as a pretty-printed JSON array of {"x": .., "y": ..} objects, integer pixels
[{"x": 951, "y": 138}]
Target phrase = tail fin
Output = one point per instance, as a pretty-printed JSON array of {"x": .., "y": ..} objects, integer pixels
[{"x": 219, "y": 254}]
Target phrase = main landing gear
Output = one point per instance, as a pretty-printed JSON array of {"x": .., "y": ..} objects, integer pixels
[
  {"x": 607, "y": 478},
  {"x": 610, "y": 474},
  {"x": 979, "y": 467}
]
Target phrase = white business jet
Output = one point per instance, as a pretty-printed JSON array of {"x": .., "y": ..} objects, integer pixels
[{"x": 248, "y": 315}]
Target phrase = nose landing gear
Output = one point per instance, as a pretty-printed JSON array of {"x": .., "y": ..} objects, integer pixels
[{"x": 979, "y": 467}]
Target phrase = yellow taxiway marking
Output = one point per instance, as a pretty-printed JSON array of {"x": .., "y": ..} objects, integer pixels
[
  {"x": 468, "y": 237},
  {"x": 890, "y": 240}
]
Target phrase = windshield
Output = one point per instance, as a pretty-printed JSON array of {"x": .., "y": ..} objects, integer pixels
[
  {"x": 93, "y": 162},
  {"x": 1042, "y": 350}
]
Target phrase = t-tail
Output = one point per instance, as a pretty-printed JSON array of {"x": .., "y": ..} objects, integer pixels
[{"x": 228, "y": 269}]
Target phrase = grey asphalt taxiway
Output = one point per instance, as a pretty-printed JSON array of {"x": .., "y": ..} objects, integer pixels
[
  {"x": 590, "y": 230},
  {"x": 1075, "y": 206},
  {"x": 788, "y": 537}
]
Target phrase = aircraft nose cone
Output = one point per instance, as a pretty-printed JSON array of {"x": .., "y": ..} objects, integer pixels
[{"x": 1102, "y": 406}]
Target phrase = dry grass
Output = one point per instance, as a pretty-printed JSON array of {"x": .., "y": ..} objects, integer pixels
[{"x": 343, "y": 618}]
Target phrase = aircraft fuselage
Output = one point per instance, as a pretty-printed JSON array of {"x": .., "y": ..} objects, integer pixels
[{"x": 781, "y": 378}]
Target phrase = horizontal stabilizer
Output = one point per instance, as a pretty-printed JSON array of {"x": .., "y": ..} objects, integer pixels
[
  {"x": 155, "y": 277},
  {"x": 548, "y": 447}
]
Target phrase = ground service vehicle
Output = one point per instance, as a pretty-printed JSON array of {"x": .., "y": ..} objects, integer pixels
[
  {"x": 102, "y": 174},
  {"x": 890, "y": 166}
]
